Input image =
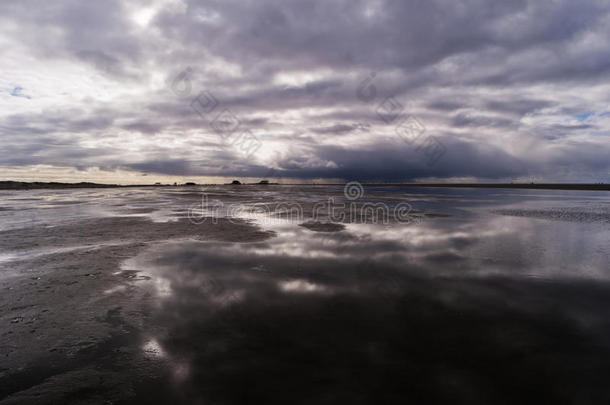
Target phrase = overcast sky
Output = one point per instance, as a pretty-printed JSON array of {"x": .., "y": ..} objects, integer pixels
[{"x": 370, "y": 90}]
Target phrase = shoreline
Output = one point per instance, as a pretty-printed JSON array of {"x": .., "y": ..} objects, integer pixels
[{"x": 18, "y": 185}]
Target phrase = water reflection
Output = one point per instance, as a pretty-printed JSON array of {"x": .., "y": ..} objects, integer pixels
[
  {"x": 487, "y": 309},
  {"x": 495, "y": 302}
]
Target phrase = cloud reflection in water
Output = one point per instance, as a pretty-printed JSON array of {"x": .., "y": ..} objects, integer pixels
[{"x": 489, "y": 309}]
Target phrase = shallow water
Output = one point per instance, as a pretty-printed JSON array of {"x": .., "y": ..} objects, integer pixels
[{"x": 481, "y": 296}]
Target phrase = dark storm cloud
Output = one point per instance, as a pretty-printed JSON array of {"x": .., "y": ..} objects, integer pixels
[
  {"x": 105, "y": 63},
  {"x": 47, "y": 122},
  {"x": 403, "y": 163},
  {"x": 143, "y": 126},
  {"x": 500, "y": 83},
  {"x": 335, "y": 129},
  {"x": 178, "y": 167},
  {"x": 518, "y": 107},
  {"x": 402, "y": 34},
  {"x": 445, "y": 105},
  {"x": 572, "y": 127},
  {"x": 469, "y": 120}
]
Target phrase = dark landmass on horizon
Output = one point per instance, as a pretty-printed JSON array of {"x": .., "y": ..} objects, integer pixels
[
  {"x": 20, "y": 185},
  {"x": 535, "y": 186}
]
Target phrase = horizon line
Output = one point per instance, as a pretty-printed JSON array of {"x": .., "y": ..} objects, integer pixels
[{"x": 20, "y": 185}]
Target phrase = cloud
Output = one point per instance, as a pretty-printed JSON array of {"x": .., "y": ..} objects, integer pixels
[{"x": 512, "y": 89}]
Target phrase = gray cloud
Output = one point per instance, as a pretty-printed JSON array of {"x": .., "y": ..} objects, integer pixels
[{"x": 512, "y": 89}]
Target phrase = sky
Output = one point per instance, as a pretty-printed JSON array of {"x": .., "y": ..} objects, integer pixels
[{"x": 137, "y": 91}]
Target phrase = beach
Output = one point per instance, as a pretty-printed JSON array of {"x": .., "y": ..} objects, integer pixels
[{"x": 304, "y": 294}]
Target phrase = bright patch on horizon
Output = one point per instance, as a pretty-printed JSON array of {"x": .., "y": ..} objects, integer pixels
[{"x": 300, "y": 286}]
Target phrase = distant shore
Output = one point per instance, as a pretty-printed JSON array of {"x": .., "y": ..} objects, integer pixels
[
  {"x": 19, "y": 185},
  {"x": 22, "y": 185},
  {"x": 533, "y": 186}
]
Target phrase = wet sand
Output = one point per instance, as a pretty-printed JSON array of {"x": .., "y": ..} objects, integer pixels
[{"x": 114, "y": 296}]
